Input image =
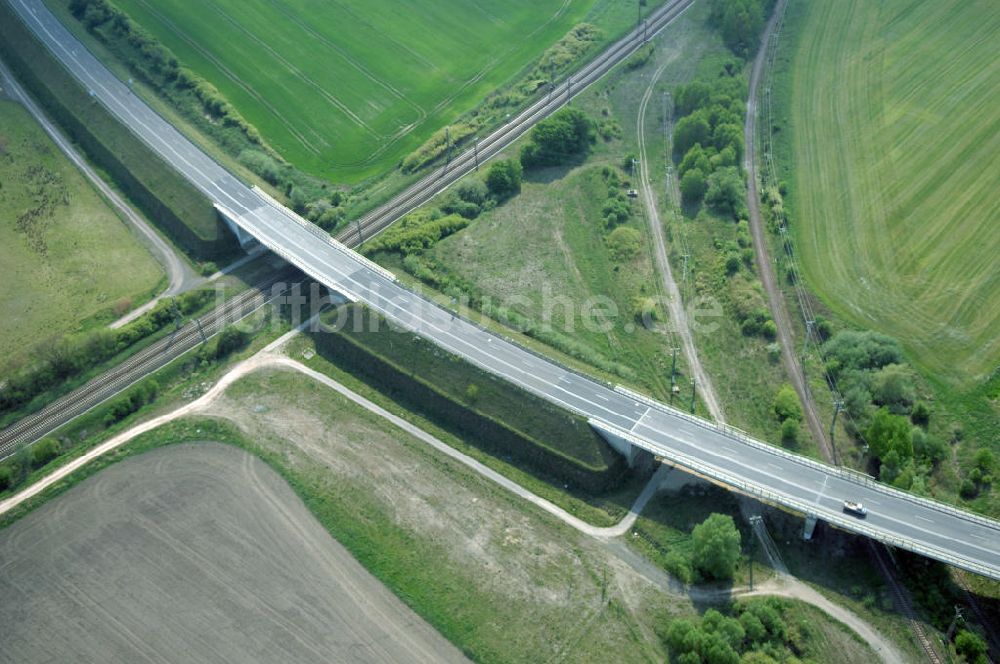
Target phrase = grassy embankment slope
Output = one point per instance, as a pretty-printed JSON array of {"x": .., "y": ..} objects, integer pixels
[
  {"x": 67, "y": 259},
  {"x": 167, "y": 199},
  {"x": 894, "y": 133},
  {"x": 344, "y": 90}
]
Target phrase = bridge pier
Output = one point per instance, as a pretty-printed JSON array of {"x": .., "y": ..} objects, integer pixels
[
  {"x": 617, "y": 443},
  {"x": 248, "y": 243},
  {"x": 810, "y": 526}
]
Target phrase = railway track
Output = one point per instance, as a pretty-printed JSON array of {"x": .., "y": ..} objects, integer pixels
[
  {"x": 878, "y": 552},
  {"x": 135, "y": 368},
  {"x": 102, "y": 388},
  {"x": 432, "y": 184}
]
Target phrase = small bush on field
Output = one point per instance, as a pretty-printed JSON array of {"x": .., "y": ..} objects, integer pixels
[
  {"x": 44, "y": 451},
  {"x": 504, "y": 178},
  {"x": 560, "y": 137},
  {"x": 624, "y": 244}
]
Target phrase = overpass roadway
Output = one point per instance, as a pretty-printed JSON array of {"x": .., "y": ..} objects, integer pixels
[{"x": 721, "y": 453}]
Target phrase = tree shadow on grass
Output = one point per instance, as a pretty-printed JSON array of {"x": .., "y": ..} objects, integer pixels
[{"x": 550, "y": 174}]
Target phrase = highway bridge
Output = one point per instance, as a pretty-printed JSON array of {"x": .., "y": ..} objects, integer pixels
[{"x": 627, "y": 420}]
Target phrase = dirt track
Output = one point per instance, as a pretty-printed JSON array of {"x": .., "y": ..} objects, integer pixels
[
  {"x": 194, "y": 553},
  {"x": 775, "y": 299}
]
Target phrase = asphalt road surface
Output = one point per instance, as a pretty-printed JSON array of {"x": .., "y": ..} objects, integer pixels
[
  {"x": 195, "y": 553},
  {"x": 896, "y": 518}
]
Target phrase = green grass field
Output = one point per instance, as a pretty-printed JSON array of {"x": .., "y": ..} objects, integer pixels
[
  {"x": 345, "y": 89},
  {"x": 891, "y": 108},
  {"x": 67, "y": 259}
]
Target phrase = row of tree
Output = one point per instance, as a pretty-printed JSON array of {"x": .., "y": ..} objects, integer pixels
[
  {"x": 69, "y": 356},
  {"x": 708, "y": 140}
]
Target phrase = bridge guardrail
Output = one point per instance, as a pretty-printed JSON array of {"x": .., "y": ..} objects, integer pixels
[
  {"x": 847, "y": 474},
  {"x": 800, "y": 506}
]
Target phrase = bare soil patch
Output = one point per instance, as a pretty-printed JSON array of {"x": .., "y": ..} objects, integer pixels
[{"x": 188, "y": 553}]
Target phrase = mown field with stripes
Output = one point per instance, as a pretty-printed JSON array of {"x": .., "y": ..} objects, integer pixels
[
  {"x": 889, "y": 119},
  {"x": 346, "y": 89}
]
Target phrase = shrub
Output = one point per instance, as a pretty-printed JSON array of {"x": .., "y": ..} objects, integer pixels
[
  {"x": 561, "y": 136},
  {"x": 693, "y": 185},
  {"x": 6, "y": 477},
  {"x": 790, "y": 432},
  {"x": 740, "y": 22},
  {"x": 732, "y": 264},
  {"x": 624, "y": 244},
  {"x": 971, "y": 646},
  {"x": 504, "y": 178},
  {"x": 725, "y": 191},
  {"x": 893, "y": 387},
  {"x": 968, "y": 489},
  {"x": 474, "y": 190},
  {"x": 692, "y": 130},
  {"x": 921, "y": 414},
  {"x": 984, "y": 460},
  {"x": 769, "y": 330},
  {"x": 44, "y": 451},
  {"x": 716, "y": 543},
  {"x": 889, "y": 433},
  {"x": 231, "y": 340},
  {"x": 786, "y": 404},
  {"x": 679, "y": 567}
]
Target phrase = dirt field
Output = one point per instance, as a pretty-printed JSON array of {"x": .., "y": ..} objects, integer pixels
[{"x": 194, "y": 553}]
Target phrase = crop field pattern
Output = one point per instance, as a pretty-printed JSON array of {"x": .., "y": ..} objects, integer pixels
[
  {"x": 345, "y": 89},
  {"x": 895, "y": 131}
]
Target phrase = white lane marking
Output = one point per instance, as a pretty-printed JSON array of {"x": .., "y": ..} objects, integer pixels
[
  {"x": 923, "y": 518},
  {"x": 823, "y": 490},
  {"x": 641, "y": 418},
  {"x": 127, "y": 111}
]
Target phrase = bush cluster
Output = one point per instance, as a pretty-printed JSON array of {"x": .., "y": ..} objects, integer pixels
[
  {"x": 788, "y": 410},
  {"x": 616, "y": 209},
  {"x": 756, "y": 630},
  {"x": 565, "y": 134},
  {"x": 138, "y": 397},
  {"x": 709, "y": 136},
  {"x": 70, "y": 356},
  {"x": 741, "y": 23},
  {"x": 880, "y": 395}
]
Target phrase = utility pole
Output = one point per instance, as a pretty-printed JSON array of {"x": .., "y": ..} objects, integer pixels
[
  {"x": 805, "y": 343},
  {"x": 361, "y": 238},
  {"x": 200, "y": 330},
  {"x": 754, "y": 520},
  {"x": 673, "y": 373},
  {"x": 638, "y": 14},
  {"x": 954, "y": 622},
  {"x": 475, "y": 149},
  {"x": 837, "y": 406},
  {"x": 694, "y": 387},
  {"x": 447, "y": 148},
  {"x": 569, "y": 87},
  {"x": 645, "y": 30}
]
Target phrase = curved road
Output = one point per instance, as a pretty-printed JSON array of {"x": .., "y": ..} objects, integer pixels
[{"x": 719, "y": 452}]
